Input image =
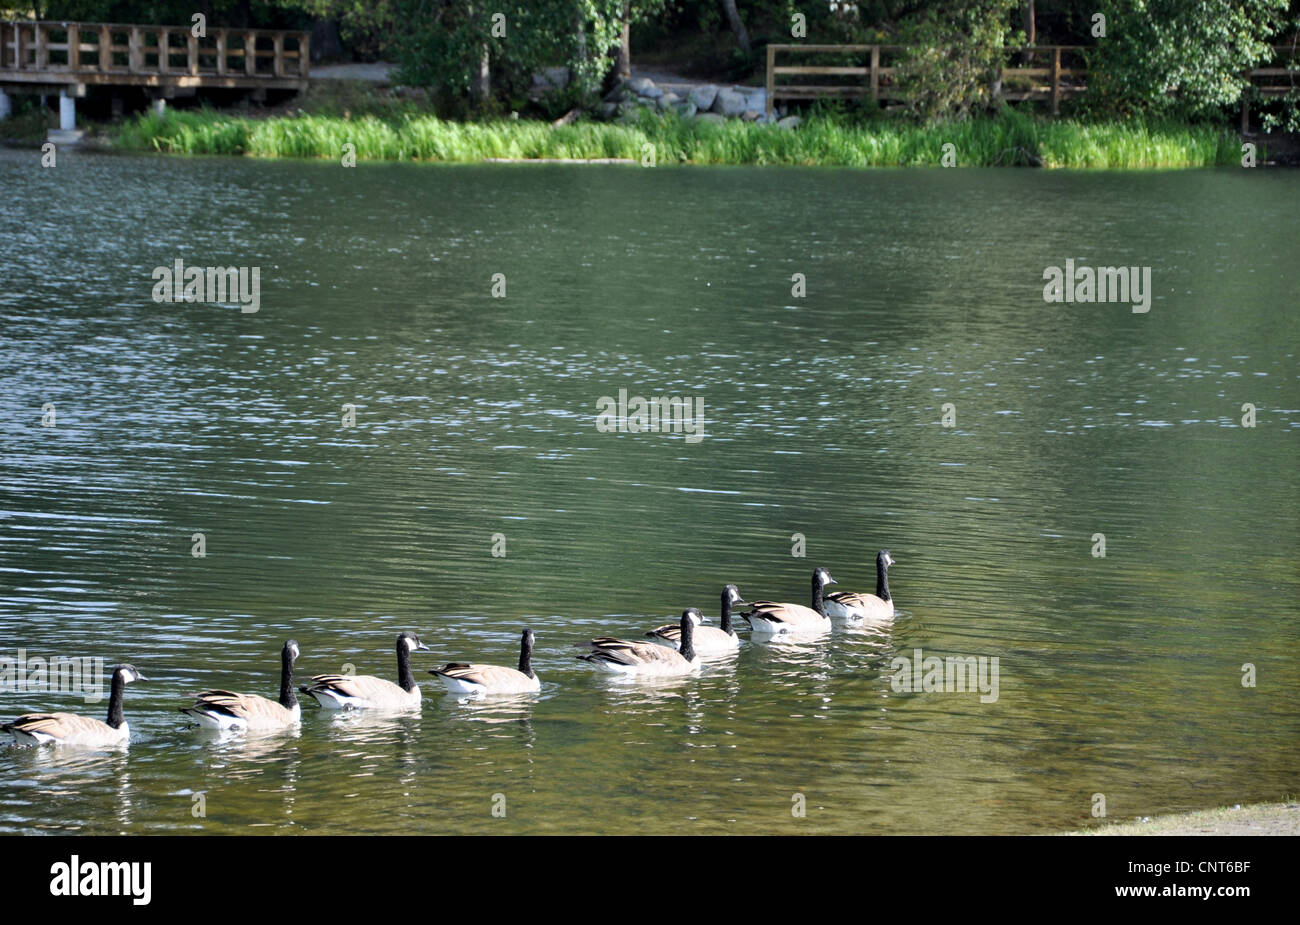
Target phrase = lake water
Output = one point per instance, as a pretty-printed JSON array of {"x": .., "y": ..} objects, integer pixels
[{"x": 1119, "y": 675}]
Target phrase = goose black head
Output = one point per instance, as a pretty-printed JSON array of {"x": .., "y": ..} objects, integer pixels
[
  {"x": 884, "y": 559},
  {"x": 128, "y": 673},
  {"x": 291, "y": 650},
  {"x": 411, "y": 643},
  {"x": 823, "y": 577},
  {"x": 733, "y": 595}
]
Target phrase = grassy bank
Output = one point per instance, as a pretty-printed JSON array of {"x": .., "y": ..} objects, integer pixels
[
  {"x": 1011, "y": 139},
  {"x": 1259, "y": 819}
]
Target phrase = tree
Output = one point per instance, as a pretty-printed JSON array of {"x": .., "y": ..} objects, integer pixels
[
  {"x": 1030, "y": 28},
  {"x": 623, "y": 56},
  {"x": 473, "y": 51},
  {"x": 954, "y": 57},
  {"x": 737, "y": 26},
  {"x": 1180, "y": 57}
]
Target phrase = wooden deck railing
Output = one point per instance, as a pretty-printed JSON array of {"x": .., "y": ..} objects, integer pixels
[
  {"x": 115, "y": 53},
  {"x": 1044, "y": 72}
]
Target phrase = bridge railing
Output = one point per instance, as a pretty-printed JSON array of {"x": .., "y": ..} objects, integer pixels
[
  {"x": 1039, "y": 72},
  {"x": 109, "y": 52}
]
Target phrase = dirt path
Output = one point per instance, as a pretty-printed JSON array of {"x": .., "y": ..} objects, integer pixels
[
  {"x": 379, "y": 72},
  {"x": 671, "y": 81}
]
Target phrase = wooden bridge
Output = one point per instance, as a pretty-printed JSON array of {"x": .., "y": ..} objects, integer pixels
[
  {"x": 1045, "y": 72},
  {"x": 67, "y": 54},
  {"x": 68, "y": 57}
]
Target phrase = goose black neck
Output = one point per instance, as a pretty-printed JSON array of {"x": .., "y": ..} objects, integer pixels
[
  {"x": 817, "y": 589},
  {"x": 288, "y": 695},
  {"x": 882, "y": 580},
  {"x": 688, "y": 639},
  {"x": 526, "y": 658},
  {"x": 405, "y": 680},
  {"x": 726, "y": 612},
  {"x": 115, "y": 716}
]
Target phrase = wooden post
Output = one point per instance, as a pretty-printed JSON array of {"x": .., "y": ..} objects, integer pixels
[
  {"x": 771, "y": 80},
  {"x": 39, "y": 51},
  {"x": 164, "y": 41},
  {"x": 105, "y": 43},
  {"x": 221, "y": 51},
  {"x": 192, "y": 54},
  {"x": 278, "y": 44},
  {"x": 304, "y": 54},
  {"x": 74, "y": 47},
  {"x": 135, "y": 51},
  {"x": 18, "y": 46},
  {"x": 250, "y": 50},
  {"x": 875, "y": 72},
  {"x": 1056, "y": 79}
]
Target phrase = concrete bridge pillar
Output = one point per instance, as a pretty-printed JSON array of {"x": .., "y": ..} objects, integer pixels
[
  {"x": 159, "y": 107},
  {"x": 66, "y": 133},
  {"x": 67, "y": 112},
  {"x": 6, "y": 105}
]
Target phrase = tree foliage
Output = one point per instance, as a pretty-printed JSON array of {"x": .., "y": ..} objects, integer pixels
[
  {"x": 954, "y": 58},
  {"x": 441, "y": 43},
  {"x": 1186, "y": 58}
]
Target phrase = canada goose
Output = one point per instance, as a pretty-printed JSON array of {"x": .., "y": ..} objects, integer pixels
[
  {"x": 220, "y": 709},
  {"x": 784, "y": 619},
  {"x": 71, "y": 729},
  {"x": 859, "y": 608},
  {"x": 670, "y": 633},
  {"x": 644, "y": 659},
  {"x": 460, "y": 678},
  {"x": 360, "y": 692},
  {"x": 709, "y": 640}
]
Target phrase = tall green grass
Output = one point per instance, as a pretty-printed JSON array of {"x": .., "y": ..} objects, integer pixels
[{"x": 1008, "y": 139}]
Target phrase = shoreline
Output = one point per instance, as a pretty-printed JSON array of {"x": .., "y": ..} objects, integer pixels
[
  {"x": 1252, "y": 819},
  {"x": 384, "y": 125},
  {"x": 1009, "y": 139}
]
